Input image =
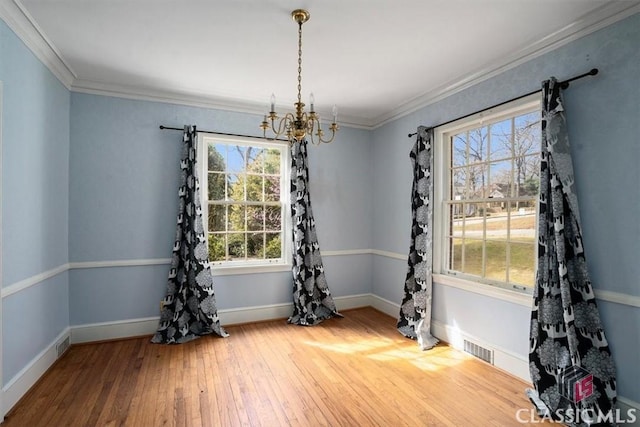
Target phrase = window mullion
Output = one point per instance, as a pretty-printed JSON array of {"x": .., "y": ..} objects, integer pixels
[
  {"x": 489, "y": 161},
  {"x": 508, "y": 248},
  {"x": 514, "y": 153},
  {"x": 226, "y": 232},
  {"x": 463, "y": 240},
  {"x": 237, "y": 162},
  {"x": 484, "y": 240},
  {"x": 475, "y": 224}
]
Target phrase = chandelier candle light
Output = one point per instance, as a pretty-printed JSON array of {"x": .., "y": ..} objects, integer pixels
[{"x": 296, "y": 127}]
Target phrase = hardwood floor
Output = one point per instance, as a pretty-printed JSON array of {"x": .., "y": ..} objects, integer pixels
[{"x": 356, "y": 371}]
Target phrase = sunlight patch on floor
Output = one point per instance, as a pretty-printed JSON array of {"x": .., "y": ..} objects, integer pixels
[
  {"x": 429, "y": 360},
  {"x": 387, "y": 350},
  {"x": 435, "y": 363},
  {"x": 351, "y": 347},
  {"x": 394, "y": 355}
]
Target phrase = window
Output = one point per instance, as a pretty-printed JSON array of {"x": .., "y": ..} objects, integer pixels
[
  {"x": 245, "y": 201},
  {"x": 490, "y": 180}
]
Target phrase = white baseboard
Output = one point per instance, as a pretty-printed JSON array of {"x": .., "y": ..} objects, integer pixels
[
  {"x": 283, "y": 311},
  {"x": 387, "y": 307},
  {"x": 147, "y": 326},
  {"x": 20, "y": 384},
  {"x": 235, "y": 316},
  {"x": 506, "y": 360},
  {"x": 353, "y": 301},
  {"x": 113, "y": 330}
]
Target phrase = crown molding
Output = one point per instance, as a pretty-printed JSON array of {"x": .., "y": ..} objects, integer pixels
[
  {"x": 21, "y": 22},
  {"x": 599, "y": 18},
  {"x": 191, "y": 100},
  {"x": 13, "y": 13},
  {"x": 163, "y": 95},
  {"x": 602, "y": 17}
]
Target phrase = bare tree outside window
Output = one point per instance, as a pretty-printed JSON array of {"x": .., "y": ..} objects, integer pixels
[{"x": 494, "y": 183}]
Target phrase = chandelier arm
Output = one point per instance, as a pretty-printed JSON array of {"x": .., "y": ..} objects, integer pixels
[
  {"x": 282, "y": 124},
  {"x": 279, "y": 130},
  {"x": 333, "y": 135},
  {"x": 316, "y": 138}
]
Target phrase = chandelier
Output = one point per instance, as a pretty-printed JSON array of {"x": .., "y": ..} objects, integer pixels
[{"x": 296, "y": 127}]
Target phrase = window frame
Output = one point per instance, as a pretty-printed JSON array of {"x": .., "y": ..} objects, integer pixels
[
  {"x": 249, "y": 266},
  {"x": 441, "y": 214}
]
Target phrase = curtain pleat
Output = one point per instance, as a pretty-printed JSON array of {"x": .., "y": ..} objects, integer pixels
[
  {"x": 570, "y": 362},
  {"x": 415, "y": 312},
  {"x": 312, "y": 300},
  {"x": 189, "y": 308}
]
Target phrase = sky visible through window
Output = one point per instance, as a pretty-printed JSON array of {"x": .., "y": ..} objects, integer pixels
[
  {"x": 494, "y": 175},
  {"x": 243, "y": 203}
]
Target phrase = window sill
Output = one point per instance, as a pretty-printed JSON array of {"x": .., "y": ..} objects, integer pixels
[
  {"x": 232, "y": 270},
  {"x": 496, "y": 292}
]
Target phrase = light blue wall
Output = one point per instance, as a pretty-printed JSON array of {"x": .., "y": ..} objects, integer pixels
[
  {"x": 92, "y": 178},
  {"x": 123, "y": 204},
  {"x": 604, "y": 124},
  {"x": 35, "y": 196},
  {"x": 35, "y": 164},
  {"x": 32, "y": 319}
]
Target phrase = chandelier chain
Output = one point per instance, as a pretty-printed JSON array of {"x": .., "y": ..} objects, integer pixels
[{"x": 300, "y": 62}]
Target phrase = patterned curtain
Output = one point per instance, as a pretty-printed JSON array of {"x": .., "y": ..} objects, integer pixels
[
  {"x": 415, "y": 313},
  {"x": 570, "y": 362},
  {"x": 312, "y": 301},
  {"x": 189, "y": 308}
]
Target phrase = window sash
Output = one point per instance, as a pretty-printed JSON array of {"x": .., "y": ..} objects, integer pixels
[
  {"x": 445, "y": 199},
  {"x": 247, "y": 264}
]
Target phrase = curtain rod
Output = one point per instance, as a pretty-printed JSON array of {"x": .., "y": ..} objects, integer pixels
[
  {"x": 162, "y": 127},
  {"x": 564, "y": 84}
]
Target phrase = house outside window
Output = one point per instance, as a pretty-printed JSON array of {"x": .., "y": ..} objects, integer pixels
[{"x": 486, "y": 193}]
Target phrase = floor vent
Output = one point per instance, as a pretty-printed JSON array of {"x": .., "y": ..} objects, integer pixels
[
  {"x": 62, "y": 346},
  {"x": 478, "y": 351}
]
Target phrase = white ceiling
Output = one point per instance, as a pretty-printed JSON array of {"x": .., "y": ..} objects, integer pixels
[{"x": 375, "y": 59}]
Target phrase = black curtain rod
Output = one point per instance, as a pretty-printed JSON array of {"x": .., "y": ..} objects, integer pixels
[
  {"x": 162, "y": 127},
  {"x": 564, "y": 84}
]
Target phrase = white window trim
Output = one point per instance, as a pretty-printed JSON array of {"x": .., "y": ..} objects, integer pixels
[
  {"x": 224, "y": 268},
  {"x": 441, "y": 180},
  {"x": 497, "y": 292}
]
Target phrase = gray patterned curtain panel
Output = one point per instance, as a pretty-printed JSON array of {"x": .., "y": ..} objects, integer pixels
[
  {"x": 189, "y": 308},
  {"x": 415, "y": 313},
  {"x": 312, "y": 301},
  {"x": 570, "y": 362}
]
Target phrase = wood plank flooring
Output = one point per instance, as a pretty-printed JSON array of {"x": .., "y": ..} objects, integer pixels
[{"x": 356, "y": 371}]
